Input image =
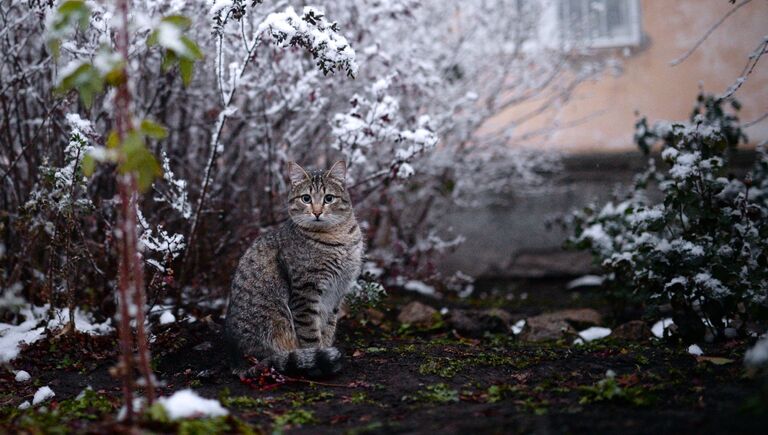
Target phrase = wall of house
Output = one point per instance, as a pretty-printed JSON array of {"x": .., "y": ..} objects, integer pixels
[{"x": 645, "y": 82}]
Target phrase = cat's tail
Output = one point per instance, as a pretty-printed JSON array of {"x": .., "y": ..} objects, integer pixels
[{"x": 312, "y": 362}]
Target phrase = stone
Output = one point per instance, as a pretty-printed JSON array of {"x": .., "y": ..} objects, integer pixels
[
  {"x": 634, "y": 330},
  {"x": 558, "y": 324},
  {"x": 374, "y": 316},
  {"x": 474, "y": 323},
  {"x": 579, "y": 318},
  {"x": 544, "y": 328},
  {"x": 417, "y": 314}
]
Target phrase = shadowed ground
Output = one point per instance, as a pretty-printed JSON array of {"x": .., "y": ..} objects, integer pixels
[{"x": 409, "y": 380}]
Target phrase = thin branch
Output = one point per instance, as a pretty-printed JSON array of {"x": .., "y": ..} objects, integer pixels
[
  {"x": 754, "y": 58},
  {"x": 706, "y": 35}
]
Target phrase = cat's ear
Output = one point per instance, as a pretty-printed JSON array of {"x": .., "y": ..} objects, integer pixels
[
  {"x": 297, "y": 173},
  {"x": 338, "y": 171}
]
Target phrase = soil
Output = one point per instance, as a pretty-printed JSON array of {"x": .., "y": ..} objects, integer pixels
[{"x": 403, "y": 380}]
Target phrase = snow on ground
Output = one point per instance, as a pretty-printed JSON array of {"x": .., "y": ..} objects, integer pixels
[
  {"x": 420, "y": 287},
  {"x": 585, "y": 281},
  {"x": 187, "y": 403},
  {"x": 758, "y": 355},
  {"x": 695, "y": 350},
  {"x": 43, "y": 394},
  {"x": 518, "y": 326},
  {"x": 167, "y": 317},
  {"x": 22, "y": 376},
  {"x": 11, "y": 335},
  {"x": 659, "y": 327},
  {"x": 594, "y": 333},
  {"x": 24, "y": 405},
  {"x": 31, "y": 330}
]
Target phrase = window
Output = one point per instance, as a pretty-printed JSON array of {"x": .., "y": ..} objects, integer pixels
[{"x": 600, "y": 23}]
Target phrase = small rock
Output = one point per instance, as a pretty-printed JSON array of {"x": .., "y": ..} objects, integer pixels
[
  {"x": 464, "y": 324},
  {"x": 374, "y": 316},
  {"x": 554, "y": 325},
  {"x": 543, "y": 328},
  {"x": 474, "y": 323},
  {"x": 206, "y": 345},
  {"x": 579, "y": 318},
  {"x": 497, "y": 313},
  {"x": 416, "y": 313},
  {"x": 634, "y": 330}
]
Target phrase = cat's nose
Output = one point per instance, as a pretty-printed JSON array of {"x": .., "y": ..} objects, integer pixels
[{"x": 317, "y": 214}]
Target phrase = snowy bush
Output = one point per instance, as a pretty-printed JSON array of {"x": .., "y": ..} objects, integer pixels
[
  {"x": 702, "y": 246},
  {"x": 413, "y": 88}
]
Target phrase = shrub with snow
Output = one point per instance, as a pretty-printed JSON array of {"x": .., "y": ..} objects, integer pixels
[{"x": 703, "y": 246}]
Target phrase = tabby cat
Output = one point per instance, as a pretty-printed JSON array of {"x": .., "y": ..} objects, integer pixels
[{"x": 288, "y": 286}]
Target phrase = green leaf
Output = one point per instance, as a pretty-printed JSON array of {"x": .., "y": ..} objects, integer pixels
[
  {"x": 140, "y": 161},
  {"x": 85, "y": 79},
  {"x": 72, "y": 11},
  {"x": 193, "y": 48},
  {"x": 152, "y": 38},
  {"x": 89, "y": 165},
  {"x": 153, "y": 129},
  {"x": 112, "y": 140},
  {"x": 186, "y": 68},
  {"x": 179, "y": 21},
  {"x": 55, "y": 46}
]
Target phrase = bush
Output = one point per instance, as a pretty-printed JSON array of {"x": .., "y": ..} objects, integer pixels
[{"x": 701, "y": 246}]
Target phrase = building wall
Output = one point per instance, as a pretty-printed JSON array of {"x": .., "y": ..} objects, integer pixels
[{"x": 647, "y": 84}]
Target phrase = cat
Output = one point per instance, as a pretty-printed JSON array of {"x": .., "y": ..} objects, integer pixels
[{"x": 288, "y": 286}]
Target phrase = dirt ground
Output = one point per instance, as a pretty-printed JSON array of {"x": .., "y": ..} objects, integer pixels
[{"x": 405, "y": 380}]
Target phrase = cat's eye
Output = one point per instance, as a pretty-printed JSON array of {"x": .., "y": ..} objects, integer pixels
[
  {"x": 306, "y": 199},
  {"x": 329, "y": 199}
]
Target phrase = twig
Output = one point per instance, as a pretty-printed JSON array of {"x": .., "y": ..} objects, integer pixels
[
  {"x": 752, "y": 61},
  {"x": 706, "y": 35}
]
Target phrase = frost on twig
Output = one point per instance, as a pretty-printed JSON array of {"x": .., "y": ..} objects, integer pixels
[{"x": 315, "y": 34}]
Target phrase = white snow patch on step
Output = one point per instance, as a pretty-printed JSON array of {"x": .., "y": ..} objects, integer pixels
[
  {"x": 658, "y": 328},
  {"x": 43, "y": 394},
  {"x": 594, "y": 333},
  {"x": 167, "y": 317},
  {"x": 188, "y": 404},
  {"x": 585, "y": 281}
]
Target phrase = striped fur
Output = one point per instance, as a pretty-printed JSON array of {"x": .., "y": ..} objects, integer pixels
[{"x": 288, "y": 286}]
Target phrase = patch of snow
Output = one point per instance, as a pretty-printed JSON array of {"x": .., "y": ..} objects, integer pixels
[
  {"x": 188, "y": 404},
  {"x": 578, "y": 342},
  {"x": 420, "y": 287},
  {"x": 138, "y": 403},
  {"x": 25, "y": 405},
  {"x": 29, "y": 332},
  {"x": 218, "y": 5},
  {"x": 594, "y": 333},
  {"x": 167, "y": 317},
  {"x": 42, "y": 394},
  {"x": 518, "y": 326},
  {"x": 694, "y": 349},
  {"x": 658, "y": 328},
  {"x": 758, "y": 354},
  {"x": 585, "y": 281},
  {"x": 26, "y": 332},
  {"x": 22, "y": 376},
  {"x": 405, "y": 171}
]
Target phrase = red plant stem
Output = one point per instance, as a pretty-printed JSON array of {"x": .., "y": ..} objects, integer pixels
[
  {"x": 131, "y": 273},
  {"x": 125, "y": 334}
]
